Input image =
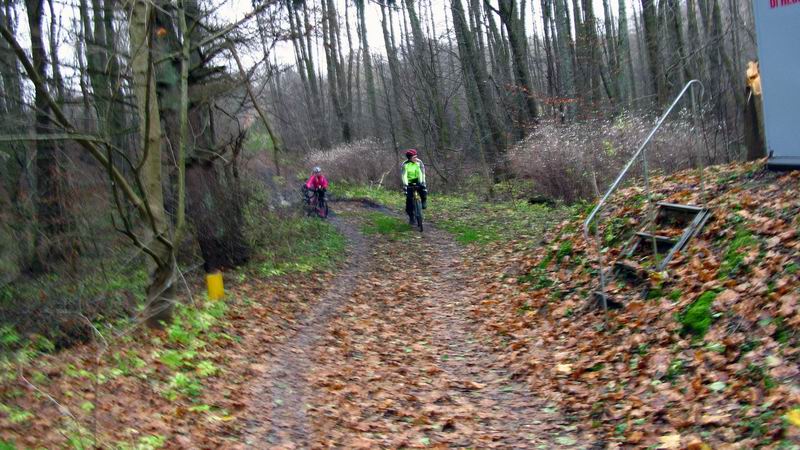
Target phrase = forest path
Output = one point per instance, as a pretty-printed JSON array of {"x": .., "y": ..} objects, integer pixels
[{"x": 393, "y": 357}]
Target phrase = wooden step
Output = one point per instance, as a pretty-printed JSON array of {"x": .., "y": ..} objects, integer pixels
[
  {"x": 675, "y": 207},
  {"x": 630, "y": 271},
  {"x": 689, "y": 232},
  {"x": 600, "y": 299},
  {"x": 664, "y": 243}
]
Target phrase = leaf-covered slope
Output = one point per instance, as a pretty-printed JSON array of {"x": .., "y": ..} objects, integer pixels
[{"x": 709, "y": 355}]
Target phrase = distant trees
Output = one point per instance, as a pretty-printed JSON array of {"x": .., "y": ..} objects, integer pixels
[{"x": 481, "y": 80}]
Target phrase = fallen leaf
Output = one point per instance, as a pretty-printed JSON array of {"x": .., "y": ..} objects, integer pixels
[
  {"x": 717, "y": 386},
  {"x": 566, "y": 440},
  {"x": 793, "y": 417},
  {"x": 564, "y": 368},
  {"x": 670, "y": 441},
  {"x": 714, "y": 419},
  {"x": 635, "y": 437}
]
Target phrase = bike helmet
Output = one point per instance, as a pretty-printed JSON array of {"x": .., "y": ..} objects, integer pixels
[
  {"x": 316, "y": 170},
  {"x": 411, "y": 152}
]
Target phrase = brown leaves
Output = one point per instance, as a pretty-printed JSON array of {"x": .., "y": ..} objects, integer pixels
[
  {"x": 129, "y": 404},
  {"x": 639, "y": 353}
]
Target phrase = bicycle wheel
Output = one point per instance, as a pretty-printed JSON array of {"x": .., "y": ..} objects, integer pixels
[
  {"x": 418, "y": 212},
  {"x": 322, "y": 209},
  {"x": 311, "y": 207}
]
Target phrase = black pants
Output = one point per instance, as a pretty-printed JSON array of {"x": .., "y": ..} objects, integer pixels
[{"x": 423, "y": 194}]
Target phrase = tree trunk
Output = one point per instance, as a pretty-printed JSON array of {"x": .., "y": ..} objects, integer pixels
[
  {"x": 428, "y": 78},
  {"x": 17, "y": 235},
  {"x": 593, "y": 63},
  {"x": 335, "y": 73},
  {"x": 162, "y": 265},
  {"x": 299, "y": 53},
  {"x": 695, "y": 42},
  {"x": 566, "y": 76},
  {"x": 548, "y": 47},
  {"x": 753, "y": 127},
  {"x": 651, "y": 38},
  {"x": 394, "y": 71},
  {"x": 718, "y": 42},
  {"x": 368, "y": 73},
  {"x": 58, "y": 80},
  {"x": 17, "y": 172},
  {"x": 52, "y": 219},
  {"x": 625, "y": 80},
  {"x": 517, "y": 39},
  {"x": 475, "y": 71},
  {"x": 348, "y": 87},
  {"x": 104, "y": 71},
  {"x": 676, "y": 31}
]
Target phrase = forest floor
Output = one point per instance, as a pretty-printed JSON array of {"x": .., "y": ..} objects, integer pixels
[
  {"x": 394, "y": 357},
  {"x": 385, "y": 352},
  {"x": 477, "y": 333}
]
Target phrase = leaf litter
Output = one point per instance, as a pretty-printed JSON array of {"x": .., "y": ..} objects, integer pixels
[
  {"x": 493, "y": 346},
  {"x": 651, "y": 375}
]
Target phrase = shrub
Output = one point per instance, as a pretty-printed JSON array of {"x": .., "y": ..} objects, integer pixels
[
  {"x": 367, "y": 161},
  {"x": 570, "y": 162}
]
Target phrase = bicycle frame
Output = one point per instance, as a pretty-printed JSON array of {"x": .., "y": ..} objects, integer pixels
[
  {"x": 416, "y": 201},
  {"x": 313, "y": 203}
]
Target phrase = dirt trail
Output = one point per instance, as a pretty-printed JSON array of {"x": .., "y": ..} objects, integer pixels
[
  {"x": 279, "y": 416},
  {"x": 392, "y": 357},
  {"x": 512, "y": 415}
]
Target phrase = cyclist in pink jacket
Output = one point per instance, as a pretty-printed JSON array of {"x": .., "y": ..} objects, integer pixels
[{"x": 317, "y": 183}]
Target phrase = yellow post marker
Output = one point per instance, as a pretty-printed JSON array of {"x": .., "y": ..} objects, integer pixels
[{"x": 216, "y": 289}]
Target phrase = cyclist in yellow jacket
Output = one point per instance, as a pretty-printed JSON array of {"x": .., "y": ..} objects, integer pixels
[{"x": 412, "y": 174}]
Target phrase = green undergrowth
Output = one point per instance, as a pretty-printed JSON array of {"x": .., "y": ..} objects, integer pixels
[
  {"x": 698, "y": 316},
  {"x": 181, "y": 362},
  {"x": 112, "y": 281},
  {"x": 385, "y": 197},
  {"x": 379, "y": 223},
  {"x": 734, "y": 257},
  {"x": 177, "y": 364},
  {"x": 292, "y": 243},
  {"x": 468, "y": 218},
  {"x": 33, "y": 309}
]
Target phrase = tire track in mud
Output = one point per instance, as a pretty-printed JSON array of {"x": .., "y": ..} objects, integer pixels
[{"x": 278, "y": 418}]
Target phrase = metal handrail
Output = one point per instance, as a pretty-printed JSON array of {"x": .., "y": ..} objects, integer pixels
[{"x": 587, "y": 223}]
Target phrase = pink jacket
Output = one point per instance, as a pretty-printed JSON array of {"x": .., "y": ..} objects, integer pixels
[{"x": 317, "y": 182}]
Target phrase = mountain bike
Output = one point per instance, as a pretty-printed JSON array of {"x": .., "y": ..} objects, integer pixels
[
  {"x": 417, "y": 207},
  {"x": 315, "y": 205}
]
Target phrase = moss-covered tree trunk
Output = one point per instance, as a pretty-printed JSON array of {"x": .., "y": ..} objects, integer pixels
[{"x": 162, "y": 266}]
